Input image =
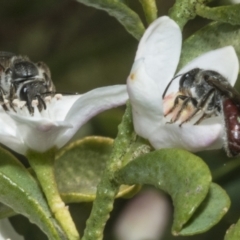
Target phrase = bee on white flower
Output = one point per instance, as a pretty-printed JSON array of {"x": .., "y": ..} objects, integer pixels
[{"x": 33, "y": 116}]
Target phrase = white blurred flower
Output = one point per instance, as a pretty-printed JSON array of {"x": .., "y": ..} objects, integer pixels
[
  {"x": 145, "y": 217},
  {"x": 56, "y": 125},
  {"x": 235, "y": 1},
  {"x": 154, "y": 66},
  {"x": 7, "y": 232}
]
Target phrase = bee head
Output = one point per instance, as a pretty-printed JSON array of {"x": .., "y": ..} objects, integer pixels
[{"x": 23, "y": 70}]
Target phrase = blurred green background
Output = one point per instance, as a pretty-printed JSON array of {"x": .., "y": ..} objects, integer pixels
[{"x": 86, "y": 48}]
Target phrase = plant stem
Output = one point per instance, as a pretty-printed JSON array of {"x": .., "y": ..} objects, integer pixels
[
  {"x": 150, "y": 10},
  {"x": 185, "y": 10},
  {"x": 108, "y": 188},
  {"x": 43, "y": 165}
]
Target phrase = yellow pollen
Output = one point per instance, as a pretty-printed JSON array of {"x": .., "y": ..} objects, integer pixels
[{"x": 132, "y": 76}]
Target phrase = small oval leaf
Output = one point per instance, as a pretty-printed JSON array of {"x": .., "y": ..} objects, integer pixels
[
  {"x": 233, "y": 233},
  {"x": 227, "y": 14},
  {"x": 213, "y": 36},
  {"x": 128, "y": 18},
  {"x": 20, "y": 191},
  {"x": 209, "y": 213},
  {"x": 79, "y": 166},
  {"x": 181, "y": 174}
]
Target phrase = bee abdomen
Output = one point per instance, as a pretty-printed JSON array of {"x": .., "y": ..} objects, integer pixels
[{"x": 231, "y": 114}]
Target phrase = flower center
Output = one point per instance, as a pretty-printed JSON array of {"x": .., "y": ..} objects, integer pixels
[{"x": 180, "y": 110}]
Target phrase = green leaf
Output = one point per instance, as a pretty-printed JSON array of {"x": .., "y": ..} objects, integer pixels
[
  {"x": 6, "y": 211},
  {"x": 228, "y": 14},
  {"x": 79, "y": 166},
  {"x": 209, "y": 213},
  {"x": 233, "y": 233},
  {"x": 213, "y": 36},
  {"x": 21, "y": 192},
  {"x": 181, "y": 174},
  {"x": 128, "y": 18}
]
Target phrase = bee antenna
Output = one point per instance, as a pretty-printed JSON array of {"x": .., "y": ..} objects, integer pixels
[
  {"x": 48, "y": 93},
  {"x": 165, "y": 91},
  {"x": 63, "y": 93},
  {"x": 67, "y": 93}
]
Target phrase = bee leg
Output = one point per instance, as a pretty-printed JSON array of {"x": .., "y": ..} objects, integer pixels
[
  {"x": 176, "y": 103},
  {"x": 12, "y": 106},
  {"x": 190, "y": 117},
  {"x": 41, "y": 103},
  {"x": 203, "y": 103},
  {"x": 185, "y": 103},
  {"x": 2, "y": 100},
  {"x": 11, "y": 97},
  {"x": 201, "y": 118},
  {"x": 29, "y": 105}
]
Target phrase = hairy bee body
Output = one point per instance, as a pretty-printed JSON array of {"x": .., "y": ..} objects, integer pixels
[
  {"x": 22, "y": 79},
  {"x": 210, "y": 94}
]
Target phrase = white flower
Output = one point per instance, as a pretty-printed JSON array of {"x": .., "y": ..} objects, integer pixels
[
  {"x": 144, "y": 217},
  {"x": 56, "y": 125},
  {"x": 7, "y": 232},
  {"x": 154, "y": 66},
  {"x": 235, "y": 1}
]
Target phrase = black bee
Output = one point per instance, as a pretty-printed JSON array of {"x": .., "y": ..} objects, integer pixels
[
  {"x": 210, "y": 94},
  {"x": 24, "y": 80}
]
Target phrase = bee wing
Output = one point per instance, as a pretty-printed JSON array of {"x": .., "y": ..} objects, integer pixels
[{"x": 225, "y": 88}]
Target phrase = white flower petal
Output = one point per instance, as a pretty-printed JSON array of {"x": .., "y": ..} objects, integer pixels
[
  {"x": 193, "y": 138},
  {"x": 39, "y": 134},
  {"x": 14, "y": 143},
  {"x": 61, "y": 108},
  {"x": 155, "y": 63},
  {"x": 8, "y": 134},
  {"x": 160, "y": 48},
  {"x": 7, "y": 124},
  {"x": 223, "y": 60},
  {"x": 89, "y": 105},
  {"x": 59, "y": 122},
  {"x": 145, "y": 99}
]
